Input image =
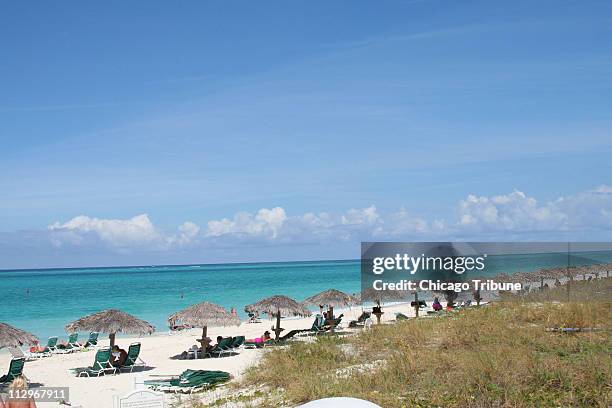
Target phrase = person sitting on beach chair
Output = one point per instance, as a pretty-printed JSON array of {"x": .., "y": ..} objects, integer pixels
[
  {"x": 219, "y": 339},
  {"x": 436, "y": 305},
  {"x": 206, "y": 344},
  {"x": 360, "y": 320},
  {"x": 328, "y": 322},
  {"x": 118, "y": 356}
]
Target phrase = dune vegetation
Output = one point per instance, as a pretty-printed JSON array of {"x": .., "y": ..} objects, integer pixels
[{"x": 500, "y": 355}]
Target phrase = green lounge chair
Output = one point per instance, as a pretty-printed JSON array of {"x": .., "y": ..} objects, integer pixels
[
  {"x": 100, "y": 365},
  {"x": 189, "y": 381},
  {"x": 360, "y": 322},
  {"x": 401, "y": 316},
  {"x": 133, "y": 358},
  {"x": 73, "y": 343},
  {"x": 252, "y": 345},
  {"x": 318, "y": 326},
  {"x": 329, "y": 323},
  {"x": 51, "y": 345},
  {"x": 220, "y": 348},
  {"x": 237, "y": 342},
  {"x": 93, "y": 340},
  {"x": 15, "y": 370}
]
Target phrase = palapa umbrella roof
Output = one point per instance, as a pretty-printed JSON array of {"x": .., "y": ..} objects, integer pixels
[
  {"x": 371, "y": 294},
  {"x": 111, "y": 321},
  {"x": 205, "y": 314},
  {"x": 279, "y": 303},
  {"x": 330, "y": 297},
  {"x": 13, "y": 337}
]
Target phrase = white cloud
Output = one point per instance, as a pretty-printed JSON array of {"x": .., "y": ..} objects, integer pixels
[
  {"x": 603, "y": 189},
  {"x": 266, "y": 223},
  {"x": 137, "y": 231},
  {"x": 402, "y": 224},
  {"x": 512, "y": 212},
  {"x": 354, "y": 224},
  {"x": 360, "y": 216},
  {"x": 518, "y": 212},
  {"x": 515, "y": 212},
  {"x": 588, "y": 210}
]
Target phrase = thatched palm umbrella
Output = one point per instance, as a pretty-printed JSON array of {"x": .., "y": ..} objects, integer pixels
[
  {"x": 13, "y": 337},
  {"x": 111, "y": 321},
  {"x": 380, "y": 296},
  {"x": 276, "y": 306},
  {"x": 331, "y": 297},
  {"x": 205, "y": 314}
]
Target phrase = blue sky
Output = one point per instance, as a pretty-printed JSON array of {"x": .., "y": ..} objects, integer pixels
[{"x": 380, "y": 119}]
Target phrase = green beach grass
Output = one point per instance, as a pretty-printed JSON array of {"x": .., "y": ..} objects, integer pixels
[{"x": 495, "y": 356}]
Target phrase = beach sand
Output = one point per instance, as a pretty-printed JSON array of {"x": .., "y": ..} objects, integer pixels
[{"x": 156, "y": 352}]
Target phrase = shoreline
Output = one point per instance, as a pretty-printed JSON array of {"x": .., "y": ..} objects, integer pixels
[
  {"x": 159, "y": 349},
  {"x": 157, "y": 352}
]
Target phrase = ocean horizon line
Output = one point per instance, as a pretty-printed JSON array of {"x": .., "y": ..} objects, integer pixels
[{"x": 303, "y": 261}]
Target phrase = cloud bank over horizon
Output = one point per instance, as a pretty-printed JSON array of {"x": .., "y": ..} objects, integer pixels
[
  {"x": 261, "y": 235},
  {"x": 272, "y": 234}
]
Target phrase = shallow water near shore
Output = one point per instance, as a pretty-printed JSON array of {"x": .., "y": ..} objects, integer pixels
[{"x": 42, "y": 301}]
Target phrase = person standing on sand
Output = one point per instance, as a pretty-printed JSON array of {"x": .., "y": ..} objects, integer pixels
[{"x": 18, "y": 386}]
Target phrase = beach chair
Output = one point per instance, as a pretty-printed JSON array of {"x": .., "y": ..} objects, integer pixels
[
  {"x": 92, "y": 340},
  {"x": 360, "y": 322},
  {"x": 133, "y": 358},
  {"x": 237, "y": 342},
  {"x": 189, "y": 381},
  {"x": 318, "y": 326},
  {"x": 252, "y": 345},
  {"x": 73, "y": 343},
  {"x": 51, "y": 346},
  {"x": 17, "y": 352},
  {"x": 221, "y": 348},
  {"x": 70, "y": 346},
  {"x": 401, "y": 316},
  {"x": 101, "y": 364},
  {"x": 15, "y": 370},
  {"x": 329, "y": 323}
]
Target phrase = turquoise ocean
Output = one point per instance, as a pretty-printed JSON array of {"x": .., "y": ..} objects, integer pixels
[{"x": 42, "y": 301}]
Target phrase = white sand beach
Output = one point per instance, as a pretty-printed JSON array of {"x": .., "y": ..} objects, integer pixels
[
  {"x": 158, "y": 349},
  {"x": 156, "y": 352}
]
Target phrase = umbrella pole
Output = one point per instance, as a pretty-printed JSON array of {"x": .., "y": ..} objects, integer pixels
[
  {"x": 277, "y": 331},
  {"x": 111, "y": 336},
  {"x": 204, "y": 330}
]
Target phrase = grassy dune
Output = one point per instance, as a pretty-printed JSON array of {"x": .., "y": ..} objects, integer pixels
[{"x": 495, "y": 356}]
